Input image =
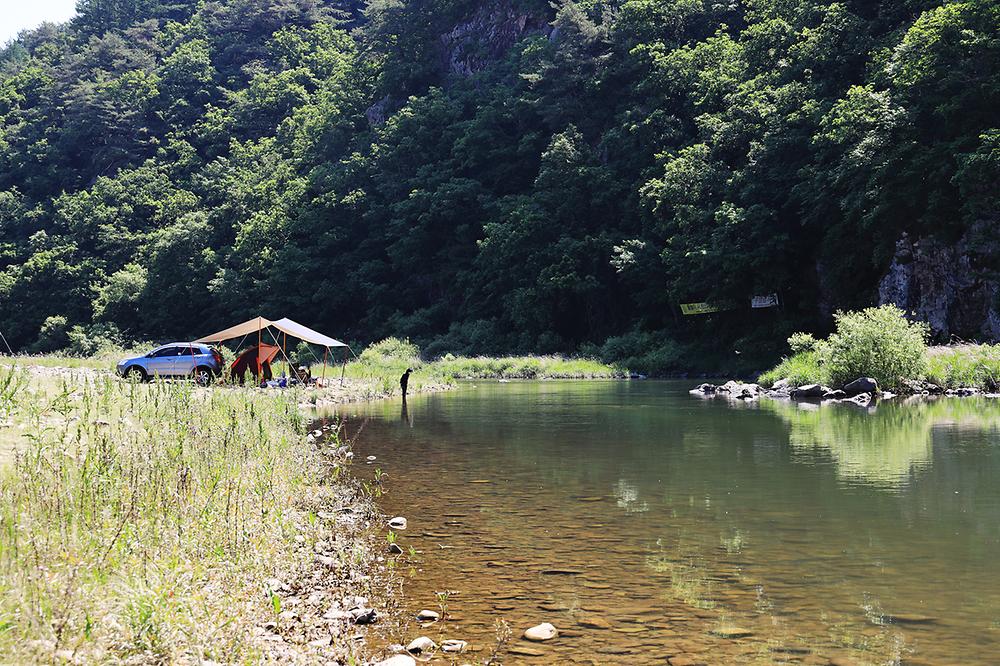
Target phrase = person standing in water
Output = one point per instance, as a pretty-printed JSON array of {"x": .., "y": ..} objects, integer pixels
[{"x": 404, "y": 382}]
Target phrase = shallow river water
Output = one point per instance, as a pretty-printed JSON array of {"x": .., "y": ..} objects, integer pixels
[{"x": 650, "y": 525}]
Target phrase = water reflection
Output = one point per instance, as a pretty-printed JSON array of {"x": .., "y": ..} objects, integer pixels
[
  {"x": 887, "y": 445},
  {"x": 827, "y": 527}
]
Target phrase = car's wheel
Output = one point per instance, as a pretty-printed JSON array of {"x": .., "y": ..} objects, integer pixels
[
  {"x": 203, "y": 376},
  {"x": 135, "y": 373}
]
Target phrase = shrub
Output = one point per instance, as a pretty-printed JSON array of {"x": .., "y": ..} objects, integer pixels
[
  {"x": 53, "y": 334},
  {"x": 798, "y": 369},
  {"x": 876, "y": 342},
  {"x": 93, "y": 339},
  {"x": 641, "y": 351},
  {"x": 391, "y": 351},
  {"x": 802, "y": 342}
]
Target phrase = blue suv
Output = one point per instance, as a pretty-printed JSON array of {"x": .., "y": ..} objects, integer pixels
[{"x": 177, "y": 359}]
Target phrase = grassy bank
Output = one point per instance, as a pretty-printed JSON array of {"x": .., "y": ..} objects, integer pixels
[
  {"x": 881, "y": 343},
  {"x": 385, "y": 361},
  {"x": 147, "y": 523}
]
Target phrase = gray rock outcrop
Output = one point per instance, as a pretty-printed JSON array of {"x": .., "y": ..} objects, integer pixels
[{"x": 948, "y": 286}]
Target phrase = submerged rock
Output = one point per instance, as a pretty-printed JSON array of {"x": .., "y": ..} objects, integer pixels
[
  {"x": 428, "y": 616},
  {"x": 541, "y": 632},
  {"x": 421, "y": 644},
  {"x": 398, "y": 523},
  {"x": 731, "y": 632}
]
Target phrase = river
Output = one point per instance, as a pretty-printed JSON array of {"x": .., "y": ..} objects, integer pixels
[{"x": 646, "y": 523}]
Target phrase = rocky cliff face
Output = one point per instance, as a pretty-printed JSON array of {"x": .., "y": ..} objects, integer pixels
[
  {"x": 484, "y": 37},
  {"x": 948, "y": 286}
]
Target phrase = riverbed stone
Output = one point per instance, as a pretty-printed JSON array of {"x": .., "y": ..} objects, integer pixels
[
  {"x": 395, "y": 549},
  {"x": 398, "y": 523},
  {"x": 861, "y": 385},
  {"x": 541, "y": 632},
  {"x": 594, "y": 623},
  {"x": 397, "y": 660},
  {"x": 731, "y": 632},
  {"x": 363, "y": 615},
  {"x": 420, "y": 645},
  {"x": 428, "y": 616},
  {"x": 453, "y": 645}
]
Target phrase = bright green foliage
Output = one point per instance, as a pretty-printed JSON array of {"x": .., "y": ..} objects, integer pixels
[
  {"x": 485, "y": 178},
  {"x": 876, "y": 342},
  {"x": 965, "y": 366},
  {"x": 798, "y": 369}
]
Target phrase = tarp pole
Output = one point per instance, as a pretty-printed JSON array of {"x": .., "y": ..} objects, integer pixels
[
  {"x": 287, "y": 362},
  {"x": 343, "y": 368},
  {"x": 326, "y": 352},
  {"x": 260, "y": 369}
]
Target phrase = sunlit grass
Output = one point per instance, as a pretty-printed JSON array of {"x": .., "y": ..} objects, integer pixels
[{"x": 138, "y": 522}]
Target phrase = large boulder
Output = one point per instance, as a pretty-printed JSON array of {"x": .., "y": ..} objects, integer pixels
[
  {"x": 810, "y": 391},
  {"x": 861, "y": 385}
]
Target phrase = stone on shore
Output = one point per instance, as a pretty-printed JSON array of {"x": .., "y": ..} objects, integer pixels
[
  {"x": 861, "y": 385},
  {"x": 541, "y": 632},
  {"x": 397, "y": 660},
  {"x": 810, "y": 391},
  {"x": 421, "y": 644}
]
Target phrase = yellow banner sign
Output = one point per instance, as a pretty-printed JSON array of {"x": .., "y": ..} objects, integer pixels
[{"x": 699, "y": 308}]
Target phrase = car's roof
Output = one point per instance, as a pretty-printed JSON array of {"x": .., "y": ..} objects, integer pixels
[{"x": 182, "y": 344}]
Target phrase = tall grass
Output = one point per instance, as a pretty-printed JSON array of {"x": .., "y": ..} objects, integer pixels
[
  {"x": 965, "y": 365},
  {"x": 382, "y": 363},
  {"x": 137, "y": 522}
]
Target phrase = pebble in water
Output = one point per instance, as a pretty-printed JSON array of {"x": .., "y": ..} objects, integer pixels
[
  {"x": 398, "y": 523},
  {"x": 541, "y": 632},
  {"x": 453, "y": 645},
  {"x": 428, "y": 616},
  {"x": 398, "y": 660},
  {"x": 421, "y": 644}
]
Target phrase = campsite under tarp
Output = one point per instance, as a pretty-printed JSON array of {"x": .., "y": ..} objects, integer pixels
[{"x": 259, "y": 325}]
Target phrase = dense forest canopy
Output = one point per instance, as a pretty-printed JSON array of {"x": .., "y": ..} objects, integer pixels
[{"x": 485, "y": 177}]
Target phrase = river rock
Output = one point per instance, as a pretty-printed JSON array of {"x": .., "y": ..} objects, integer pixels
[
  {"x": 836, "y": 394},
  {"x": 780, "y": 384},
  {"x": 364, "y": 615},
  {"x": 594, "y": 623},
  {"x": 395, "y": 549},
  {"x": 704, "y": 389},
  {"x": 862, "y": 399},
  {"x": 397, "y": 660},
  {"x": 810, "y": 391},
  {"x": 731, "y": 632},
  {"x": 428, "y": 616},
  {"x": 421, "y": 644},
  {"x": 541, "y": 632},
  {"x": 453, "y": 645},
  {"x": 861, "y": 385},
  {"x": 398, "y": 523}
]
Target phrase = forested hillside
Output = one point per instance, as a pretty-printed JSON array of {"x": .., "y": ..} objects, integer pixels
[{"x": 496, "y": 176}]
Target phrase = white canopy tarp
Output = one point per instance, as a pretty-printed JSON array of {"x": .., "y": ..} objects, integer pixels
[{"x": 285, "y": 325}]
